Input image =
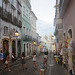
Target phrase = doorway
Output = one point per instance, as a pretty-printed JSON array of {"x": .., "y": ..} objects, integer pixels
[{"x": 13, "y": 47}]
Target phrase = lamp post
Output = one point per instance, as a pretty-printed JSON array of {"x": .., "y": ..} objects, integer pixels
[{"x": 16, "y": 34}]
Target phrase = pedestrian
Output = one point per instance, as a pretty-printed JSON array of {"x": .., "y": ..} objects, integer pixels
[
  {"x": 46, "y": 53},
  {"x": 34, "y": 59},
  {"x": 1, "y": 58},
  {"x": 7, "y": 62},
  {"x": 13, "y": 58},
  {"x": 23, "y": 61},
  {"x": 4, "y": 56}
]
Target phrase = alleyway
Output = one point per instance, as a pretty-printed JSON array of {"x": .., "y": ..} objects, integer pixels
[{"x": 53, "y": 69}]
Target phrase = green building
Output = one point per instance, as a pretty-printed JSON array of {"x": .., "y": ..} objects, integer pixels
[{"x": 26, "y": 27}]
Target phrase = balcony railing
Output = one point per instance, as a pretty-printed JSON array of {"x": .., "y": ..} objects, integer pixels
[
  {"x": 4, "y": 16},
  {"x": 24, "y": 37},
  {"x": 20, "y": 23},
  {"x": 9, "y": 17},
  {"x": 15, "y": 21}
]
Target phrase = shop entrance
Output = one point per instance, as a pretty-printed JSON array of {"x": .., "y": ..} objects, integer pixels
[
  {"x": 19, "y": 48},
  {"x": 24, "y": 50},
  {"x": 5, "y": 49},
  {"x": 13, "y": 47}
]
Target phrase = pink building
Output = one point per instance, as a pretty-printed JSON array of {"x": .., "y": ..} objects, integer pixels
[{"x": 67, "y": 13}]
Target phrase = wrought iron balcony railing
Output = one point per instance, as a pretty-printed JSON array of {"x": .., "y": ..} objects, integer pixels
[
  {"x": 20, "y": 23},
  {"x": 14, "y": 20},
  {"x": 4, "y": 15}
]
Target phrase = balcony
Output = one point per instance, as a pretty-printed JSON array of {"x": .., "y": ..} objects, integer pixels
[
  {"x": 30, "y": 38},
  {"x": 27, "y": 38},
  {"x": 4, "y": 16},
  {"x": 20, "y": 24},
  {"x": 63, "y": 6},
  {"x": 9, "y": 16},
  {"x": 15, "y": 21},
  {"x": 24, "y": 37},
  {"x": 6, "y": 1}
]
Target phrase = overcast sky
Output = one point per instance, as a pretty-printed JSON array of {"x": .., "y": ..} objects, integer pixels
[{"x": 45, "y": 12}]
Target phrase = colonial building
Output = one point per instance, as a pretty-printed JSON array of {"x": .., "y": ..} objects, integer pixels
[
  {"x": 67, "y": 13},
  {"x": 26, "y": 27},
  {"x": 10, "y": 22},
  {"x": 33, "y": 20},
  {"x": 58, "y": 27},
  {"x": 65, "y": 9}
]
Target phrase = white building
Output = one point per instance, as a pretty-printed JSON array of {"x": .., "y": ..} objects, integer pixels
[
  {"x": 33, "y": 19},
  {"x": 10, "y": 22}
]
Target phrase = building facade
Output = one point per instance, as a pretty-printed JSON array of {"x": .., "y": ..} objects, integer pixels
[
  {"x": 33, "y": 19},
  {"x": 10, "y": 22},
  {"x": 26, "y": 27},
  {"x": 58, "y": 27},
  {"x": 66, "y": 14}
]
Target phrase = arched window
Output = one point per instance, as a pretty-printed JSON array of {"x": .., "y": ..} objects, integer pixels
[{"x": 5, "y": 30}]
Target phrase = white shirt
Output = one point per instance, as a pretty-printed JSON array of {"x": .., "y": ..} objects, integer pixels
[{"x": 34, "y": 58}]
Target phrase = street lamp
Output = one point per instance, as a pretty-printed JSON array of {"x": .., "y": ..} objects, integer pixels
[
  {"x": 34, "y": 43},
  {"x": 16, "y": 34}
]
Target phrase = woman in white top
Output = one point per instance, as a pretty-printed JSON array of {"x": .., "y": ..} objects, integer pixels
[{"x": 34, "y": 59}]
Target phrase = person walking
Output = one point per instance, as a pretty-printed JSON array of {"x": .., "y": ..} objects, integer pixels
[
  {"x": 7, "y": 62},
  {"x": 1, "y": 58},
  {"x": 34, "y": 59},
  {"x": 23, "y": 61}
]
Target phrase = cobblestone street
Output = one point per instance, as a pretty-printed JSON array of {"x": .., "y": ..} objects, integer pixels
[{"x": 52, "y": 68}]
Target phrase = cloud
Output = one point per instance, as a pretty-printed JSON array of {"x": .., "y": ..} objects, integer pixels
[{"x": 44, "y": 28}]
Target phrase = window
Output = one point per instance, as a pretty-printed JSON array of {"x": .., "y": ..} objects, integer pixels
[
  {"x": 13, "y": 32},
  {"x": 5, "y": 30}
]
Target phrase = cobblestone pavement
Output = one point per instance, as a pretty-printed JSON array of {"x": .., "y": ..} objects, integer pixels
[
  {"x": 55, "y": 69},
  {"x": 52, "y": 68}
]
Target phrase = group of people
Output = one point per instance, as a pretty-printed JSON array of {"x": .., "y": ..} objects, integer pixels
[
  {"x": 23, "y": 61},
  {"x": 7, "y": 60},
  {"x": 24, "y": 65}
]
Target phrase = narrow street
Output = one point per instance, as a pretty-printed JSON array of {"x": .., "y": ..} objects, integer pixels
[{"x": 52, "y": 68}]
